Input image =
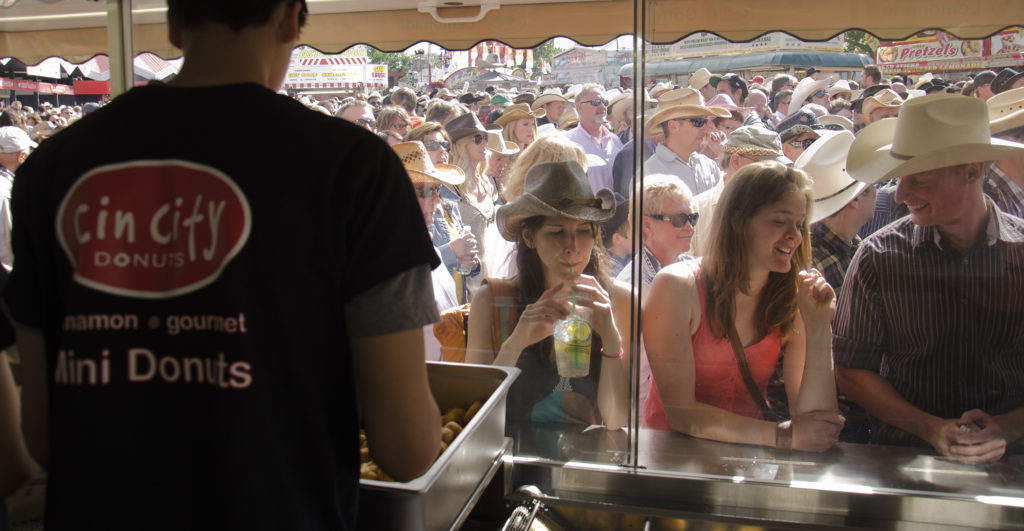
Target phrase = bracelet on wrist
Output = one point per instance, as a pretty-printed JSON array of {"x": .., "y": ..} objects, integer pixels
[
  {"x": 616, "y": 357},
  {"x": 784, "y": 435}
]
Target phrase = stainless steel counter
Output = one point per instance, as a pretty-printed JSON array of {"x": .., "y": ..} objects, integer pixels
[{"x": 849, "y": 486}]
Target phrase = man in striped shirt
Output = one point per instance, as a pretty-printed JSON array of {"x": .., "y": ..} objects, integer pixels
[{"x": 929, "y": 328}]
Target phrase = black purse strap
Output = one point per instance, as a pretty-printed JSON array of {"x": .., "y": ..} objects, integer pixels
[{"x": 744, "y": 365}]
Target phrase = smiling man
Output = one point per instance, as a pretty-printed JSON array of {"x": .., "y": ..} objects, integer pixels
[
  {"x": 927, "y": 332},
  {"x": 685, "y": 121}
]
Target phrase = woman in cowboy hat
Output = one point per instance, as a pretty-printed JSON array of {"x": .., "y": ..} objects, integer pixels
[
  {"x": 477, "y": 196},
  {"x": 555, "y": 225},
  {"x": 519, "y": 124},
  {"x": 715, "y": 328}
]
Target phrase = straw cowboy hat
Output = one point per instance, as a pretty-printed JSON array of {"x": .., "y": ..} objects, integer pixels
[
  {"x": 825, "y": 163},
  {"x": 548, "y": 96},
  {"x": 681, "y": 103},
  {"x": 931, "y": 132},
  {"x": 1006, "y": 110},
  {"x": 700, "y": 78},
  {"x": 555, "y": 189},
  {"x": 516, "y": 112},
  {"x": 421, "y": 170},
  {"x": 806, "y": 87},
  {"x": 883, "y": 98},
  {"x": 569, "y": 119},
  {"x": 496, "y": 144},
  {"x": 463, "y": 126}
]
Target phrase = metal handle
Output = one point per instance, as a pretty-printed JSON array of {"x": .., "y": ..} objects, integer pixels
[{"x": 430, "y": 6}]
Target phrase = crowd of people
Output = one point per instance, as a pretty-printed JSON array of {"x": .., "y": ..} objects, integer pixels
[
  {"x": 751, "y": 223},
  {"x": 796, "y": 234}
]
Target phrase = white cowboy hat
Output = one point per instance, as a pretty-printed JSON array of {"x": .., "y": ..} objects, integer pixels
[
  {"x": 420, "y": 168},
  {"x": 825, "y": 163},
  {"x": 681, "y": 103},
  {"x": 660, "y": 88},
  {"x": 923, "y": 79},
  {"x": 1006, "y": 110},
  {"x": 548, "y": 96},
  {"x": 931, "y": 132},
  {"x": 839, "y": 87},
  {"x": 832, "y": 120},
  {"x": 497, "y": 144},
  {"x": 555, "y": 189},
  {"x": 805, "y": 88}
]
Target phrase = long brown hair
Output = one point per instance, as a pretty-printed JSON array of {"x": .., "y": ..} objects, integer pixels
[
  {"x": 530, "y": 281},
  {"x": 727, "y": 261}
]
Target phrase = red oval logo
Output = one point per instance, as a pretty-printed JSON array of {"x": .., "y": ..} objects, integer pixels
[{"x": 152, "y": 229}]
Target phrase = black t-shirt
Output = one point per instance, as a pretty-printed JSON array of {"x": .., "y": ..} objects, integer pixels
[{"x": 187, "y": 253}]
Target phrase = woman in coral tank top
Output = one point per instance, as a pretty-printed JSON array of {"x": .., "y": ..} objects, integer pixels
[{"x": 753, "y": 285}]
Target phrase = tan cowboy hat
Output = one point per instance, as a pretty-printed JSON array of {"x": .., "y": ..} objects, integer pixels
[
  {"x": 931, "y": 132},
  {"x": 625, "y": 97},
  {"x": 569, "y": 119},
  {"x": 555, "y": 189},
  {"x": 882, "y": 98},
  {"x": 825, "y": 163},
  {"x": 806, "y": 87},
  {"x": 516, "y": 112},
  {"x": 681, "y": 103},
  {"x": 700, "y": 78},
  {"x": 496, "y": 144},
  {"x": 1006, "y": 110},
  {"x": 548, "y": 96},
  {"x": 420, "y": 168}
]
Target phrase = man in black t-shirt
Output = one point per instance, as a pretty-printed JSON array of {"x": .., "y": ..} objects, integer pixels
[{"x": 202, "y": 313}]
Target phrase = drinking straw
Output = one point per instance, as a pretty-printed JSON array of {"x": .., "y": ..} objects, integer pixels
[{"x": 572, "y": 295}]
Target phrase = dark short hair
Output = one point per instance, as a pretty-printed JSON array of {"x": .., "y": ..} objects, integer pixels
[{"x": 236, "y": 14}]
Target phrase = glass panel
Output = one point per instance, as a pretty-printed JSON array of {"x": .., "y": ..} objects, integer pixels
[{"x": 754, "y": 232}]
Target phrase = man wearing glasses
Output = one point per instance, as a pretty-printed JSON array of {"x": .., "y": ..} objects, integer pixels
[
  {"x": 358, "y": 112},
  {"x": 684, "y": 119},
  {"x": 592, "y": 135}
]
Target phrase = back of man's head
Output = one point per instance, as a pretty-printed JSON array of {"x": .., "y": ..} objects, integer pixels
[{"x": 236, "y": 14}]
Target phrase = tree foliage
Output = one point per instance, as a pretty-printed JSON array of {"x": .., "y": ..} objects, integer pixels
[
  {"x": 858, "y": 41},
  {"x": 398, "y": 62},
  {"x": 545, "y": 51}
]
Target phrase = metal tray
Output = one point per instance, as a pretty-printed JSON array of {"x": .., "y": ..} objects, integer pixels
[{"x": 437, "y": 498}]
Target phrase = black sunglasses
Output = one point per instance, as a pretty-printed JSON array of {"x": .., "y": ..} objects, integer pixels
[
  {"x": 596, "y": 102},
  {"x": 479, "y": 138},
  {"x": 697, "y": 122},
  {"x": 433, "y": 145},
  {"x": 678, "y": 220},
  {"x": 426, "y": 192},
  {"x": 805, "y": 143},
  {"x": 367, "y": 123}
]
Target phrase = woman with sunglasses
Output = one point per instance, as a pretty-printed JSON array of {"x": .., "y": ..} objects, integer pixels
[
  {"x": 714, "y": 329},
  {"x": 668, "y": 223},
  {"x": 478, "y": 196},
  {"x": 455, "y": 243}
]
